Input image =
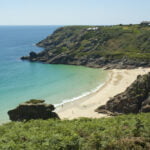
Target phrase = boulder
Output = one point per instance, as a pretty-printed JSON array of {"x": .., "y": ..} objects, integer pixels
[
  {"x": 33, "y": 109},
  {"x": 135, "y": 99}
]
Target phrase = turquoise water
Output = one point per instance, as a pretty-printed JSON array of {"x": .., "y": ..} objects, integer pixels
[{"x": 22, "y": 80}]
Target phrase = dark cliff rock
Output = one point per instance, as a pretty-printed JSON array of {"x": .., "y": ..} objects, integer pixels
[
  {"x": 103, "y": 46},
  {"x": 32, "y": 56},
  {"x": 33, "y": 109},
  {"x": 146, "y": 105},
  {"x": 135, "y": 99}
]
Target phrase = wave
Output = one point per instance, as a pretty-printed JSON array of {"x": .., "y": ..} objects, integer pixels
[
  {"x": 84, "y": 94},
  {"x": 81, "y": 96}
]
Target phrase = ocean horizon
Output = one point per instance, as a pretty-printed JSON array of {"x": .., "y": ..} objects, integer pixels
[{"x": 23, "y": 80}]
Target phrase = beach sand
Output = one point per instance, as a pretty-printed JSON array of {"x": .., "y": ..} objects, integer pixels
[{"x": 118, "y": 81}]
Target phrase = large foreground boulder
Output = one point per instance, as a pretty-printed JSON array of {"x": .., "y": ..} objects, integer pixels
[
  {"x": 33, "y": 109},
  {"x": 135, "y": 99}
]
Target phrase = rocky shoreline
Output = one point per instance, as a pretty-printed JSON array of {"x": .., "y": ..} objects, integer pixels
[
  {"x": 80, "y": 46},
  {"x": 135, "y": 99},
  {"x": 98, "y": 48},
  {"x": 101, "y": 62}
]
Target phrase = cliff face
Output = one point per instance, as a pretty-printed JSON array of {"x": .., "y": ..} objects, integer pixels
[
  {"x": 109, "y": 46},
  {"x": 135, "y": 99}
]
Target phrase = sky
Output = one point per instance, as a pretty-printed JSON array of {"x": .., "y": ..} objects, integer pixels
[{"x": 73, "y": 12}]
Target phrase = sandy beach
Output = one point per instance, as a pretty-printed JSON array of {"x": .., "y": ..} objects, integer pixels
[{"x": 118, "y": 80}]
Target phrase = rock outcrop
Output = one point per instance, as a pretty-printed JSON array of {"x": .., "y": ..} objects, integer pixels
[
  {"x": 135, "y": 99},
  {"x": 32, "y": 56},
  {"x": 33, "y": 109}
]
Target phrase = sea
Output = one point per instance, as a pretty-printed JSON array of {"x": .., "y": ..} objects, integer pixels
[{"x": 22, "y": 80}]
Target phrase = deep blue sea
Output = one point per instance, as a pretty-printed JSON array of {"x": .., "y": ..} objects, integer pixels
[{"x": 23, "y": 80}]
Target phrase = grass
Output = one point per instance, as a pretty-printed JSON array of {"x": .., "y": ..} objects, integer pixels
[
  {"x": 35, "y": 101},
  {"x": 125, "y": 132}
]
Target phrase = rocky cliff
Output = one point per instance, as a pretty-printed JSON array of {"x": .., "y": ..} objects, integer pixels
[
  {"x": 135, "y": 99},
  {"x": 120, "y": 46},
  {"x": 33, "y": 109}
]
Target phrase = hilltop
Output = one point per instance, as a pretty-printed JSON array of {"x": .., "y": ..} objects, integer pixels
[{"x": 119, "y": 46}]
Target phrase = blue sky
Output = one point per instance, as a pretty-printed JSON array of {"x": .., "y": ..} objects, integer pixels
[{"x": 73, "y": 12}]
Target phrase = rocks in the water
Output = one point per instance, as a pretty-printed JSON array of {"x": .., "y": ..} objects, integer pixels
[
  {"x": 32, "y": 56},
  {"x": 25, "y": 58},
  {"x": 33, "y": 109},
  {"x": 135, "y": 99}
]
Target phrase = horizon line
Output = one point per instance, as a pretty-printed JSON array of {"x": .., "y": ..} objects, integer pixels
[{"x": 71, "y": 24}]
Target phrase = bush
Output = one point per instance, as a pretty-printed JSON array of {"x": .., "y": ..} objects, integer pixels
[{"x": 123, "y": 132}]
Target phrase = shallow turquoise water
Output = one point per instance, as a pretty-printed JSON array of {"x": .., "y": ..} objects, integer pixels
[{"x": 22, "y": 80}]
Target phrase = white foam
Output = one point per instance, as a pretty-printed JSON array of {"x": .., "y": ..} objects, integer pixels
[
  {"x": 84, "y": 94},
  {"x": 81, "y": 96}
]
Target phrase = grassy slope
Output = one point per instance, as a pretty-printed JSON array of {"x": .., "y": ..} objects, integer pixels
[
  {"x": 124, "y": 132},
  {"x": 109, "y": 41}
]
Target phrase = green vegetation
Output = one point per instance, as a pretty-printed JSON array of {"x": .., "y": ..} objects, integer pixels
[
  {"x": 35, "y": 101},
  {"x": 125, "y": 132},
  {"x": 111, "y": 42}
]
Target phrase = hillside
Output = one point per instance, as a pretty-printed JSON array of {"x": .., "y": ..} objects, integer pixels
[
  {"x": 119, "y": 46},
  {"x": 123, "y": 132}
]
